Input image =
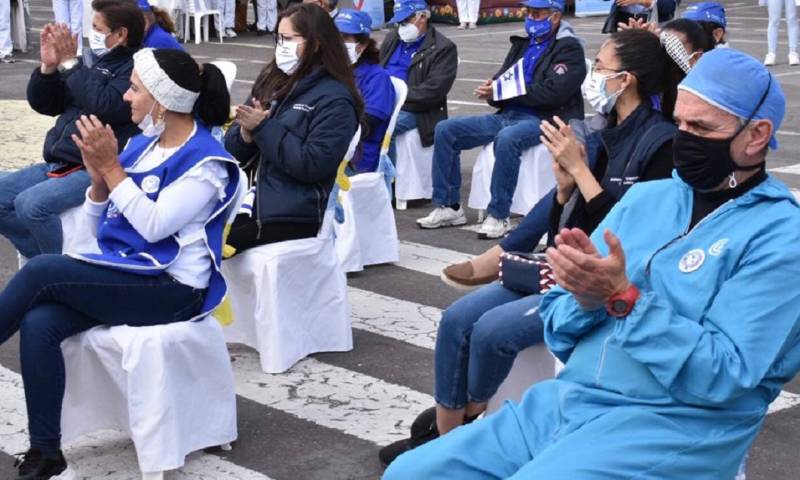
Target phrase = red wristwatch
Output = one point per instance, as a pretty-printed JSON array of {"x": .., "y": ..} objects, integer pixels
[{"x": 621, "y": 304}]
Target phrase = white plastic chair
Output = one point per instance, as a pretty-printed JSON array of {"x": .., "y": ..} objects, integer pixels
[
  {"x": 289, "y": 299},
  {"x": 535, "y": 179},
  {"x": 199, "y": 10},
  {"x": 368, "y": 235},
  {"x": 414, "y": 164},
  {"x": 531, "y": 366},
  {"x": 110, "y": 382}
]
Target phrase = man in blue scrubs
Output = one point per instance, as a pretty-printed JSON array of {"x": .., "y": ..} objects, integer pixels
[{"x": 678, "y": 321}]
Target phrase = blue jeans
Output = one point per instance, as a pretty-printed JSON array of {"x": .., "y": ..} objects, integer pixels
[
  {"x": 30, "y": 205},
  {"x": 406, "y": 121},
  {"x": 479, "y": 337},
  {"x": 512, "y": 131},
  {"x": 55, "y": 297},
  {"x": 536, "y": 223}
]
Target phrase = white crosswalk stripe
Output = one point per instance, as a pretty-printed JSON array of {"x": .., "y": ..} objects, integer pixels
[
  {"x": 390, "y": 317},
  {"x": 427, "y": 259}
]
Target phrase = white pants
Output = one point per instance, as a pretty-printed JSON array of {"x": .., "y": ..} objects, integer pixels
[
  {"x": 227, "y": 9},
  {"x": 774, "y": 8},
  {"x": 267, "y": 14},
  {"x": 468, "y": 10},
  {"x": 70, "y": 12},
  {"x": 5, "y": 27}
]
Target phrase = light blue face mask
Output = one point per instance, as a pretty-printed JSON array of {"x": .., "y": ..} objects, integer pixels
[{"x": 594, "y": 90}]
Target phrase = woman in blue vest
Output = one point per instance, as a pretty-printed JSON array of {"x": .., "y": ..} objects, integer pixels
[
  {"x": 160, "y": 208},
  {"x": 374, "y": 84},
  {"x": 629, "y": 141},
  {"x": 294, "y": 131}
]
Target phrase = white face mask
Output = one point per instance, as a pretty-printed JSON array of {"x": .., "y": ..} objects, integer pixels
[
  {"x": 408, "y": 32},
  {"x": 286, "y": 57},
  {"x": 97, "y": 42},
  {"x": 149, "y": 127},
  {"x": 594, "y": 90},
  {"x": 352, "y": 52}
]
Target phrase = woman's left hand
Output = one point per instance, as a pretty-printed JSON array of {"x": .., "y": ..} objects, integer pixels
[
  {"x": 65, "y": 43},
  {"x": 564, "y": 146},
  {"x": 251, "y": 117},
  {"x": 98, "y": 146}
]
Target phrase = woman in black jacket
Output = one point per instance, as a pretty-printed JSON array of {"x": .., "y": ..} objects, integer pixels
[
  {"x": 31, "y": 199},
  {"x": 295, "y": 130}
]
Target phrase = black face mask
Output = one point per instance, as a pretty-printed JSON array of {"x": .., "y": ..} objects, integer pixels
[{"x": 704, "y": 163}]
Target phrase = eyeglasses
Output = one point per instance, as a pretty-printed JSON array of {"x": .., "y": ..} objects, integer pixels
[
  {"x": 604, "y": 69},
  {"x": 281, "y": 38}
]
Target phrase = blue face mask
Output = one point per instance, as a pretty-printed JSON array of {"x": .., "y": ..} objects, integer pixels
[{"x": 538, "y": 29}]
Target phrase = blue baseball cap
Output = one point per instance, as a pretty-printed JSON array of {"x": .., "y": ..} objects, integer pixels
[
  {"x": 405, "y": 8},
  {"x": 144, "y": 5},
  {"x": 737, "y": 83},
  {"x": 706, "y": 12},
  {"x": 554, "y": 4},
  {"x": 353, "y": 22}
]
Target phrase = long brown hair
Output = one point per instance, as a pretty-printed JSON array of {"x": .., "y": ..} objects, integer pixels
[
  {"x": 161, "y": 18},
  {"x": 370, "y": 53},
  {"x": 324, "y": 48}
]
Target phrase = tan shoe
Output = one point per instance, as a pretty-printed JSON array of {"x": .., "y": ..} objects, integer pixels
[{"x": 461, "y": 276}]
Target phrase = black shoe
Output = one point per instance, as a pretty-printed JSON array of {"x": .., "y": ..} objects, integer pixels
[
  {"x": 423, "y": 430},
  {"x": 261, "y": 33},
  {"x": 34, "y": 465},
  {"x": 252, "y": 27}
]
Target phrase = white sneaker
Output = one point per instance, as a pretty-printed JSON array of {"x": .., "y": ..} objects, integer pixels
[
  {"x": 472, "y": 26},
  {"x": 769, "y": 60},
  {"x": 8, "y": 58},
  {"x": 443, "y": 217},
  {"x": 794, "y": 58},
  {"x": 494, "y": 228},
  {"x": 462, "y": 26},
  {"x": 229, "y": 32}
]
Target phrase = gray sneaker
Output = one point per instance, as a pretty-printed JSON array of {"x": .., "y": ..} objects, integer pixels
[
  {"x": 443, "y": 217},
  {"x": 7, "y": 58},
  {"x": 494, "y": 228}
]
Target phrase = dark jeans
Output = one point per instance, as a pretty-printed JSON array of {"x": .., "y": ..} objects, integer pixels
[
  {"x": 536, "y": 223},
  {"x": 479, "y": 337},
  {"x": 30, "y": 205},
  {"x": 55, "y": 297}
]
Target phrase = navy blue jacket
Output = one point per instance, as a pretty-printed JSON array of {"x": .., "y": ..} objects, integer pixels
[
  {"x": 639, "y": 149},
  {"x": 297, "y": 150},
  {"x": 557, "y": 77},
  {"x": 82, "y": 90}
]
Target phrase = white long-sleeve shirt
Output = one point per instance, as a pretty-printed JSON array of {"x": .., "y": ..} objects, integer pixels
[{"x": 182, "y": 207}]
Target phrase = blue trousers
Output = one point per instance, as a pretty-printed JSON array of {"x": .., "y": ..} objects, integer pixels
[
  {"x": 479, "y": 337},
  {"x": 55, "y": 297},
  {"x": 512, "y": 131},
  {"x": 30, "y": 205},
  {"x": 564, "y": 430},
  {"x": 406, "y": 121}
]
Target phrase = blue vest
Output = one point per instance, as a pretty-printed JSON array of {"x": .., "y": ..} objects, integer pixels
[{"x": 123, "y": 248}]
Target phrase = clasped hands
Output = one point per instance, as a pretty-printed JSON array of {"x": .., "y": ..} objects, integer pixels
[
  {"x": 98, "y": 146},
  {"x": 569, "y": 155},
  {"x": 249, "y": 118},
  {"x": 57, "y": 44},
  {"x": 579, "y": 269}
]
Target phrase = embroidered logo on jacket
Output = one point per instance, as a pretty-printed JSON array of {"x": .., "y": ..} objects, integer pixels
[
  {"x": 303, "y": 107},
  {"x": 560, "y": 69},
  {"x": 716, "y": 249},
  {"x": 692, "y": 260},
  {"x": 150, "y": 184}
]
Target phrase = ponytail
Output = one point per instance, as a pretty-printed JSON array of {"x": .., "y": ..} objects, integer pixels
[
  {"x": 214, "y": 103},
  {"x": 163, "y": 19}
]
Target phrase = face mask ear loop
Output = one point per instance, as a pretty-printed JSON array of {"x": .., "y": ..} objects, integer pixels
[{"x": 732, "y": 183}]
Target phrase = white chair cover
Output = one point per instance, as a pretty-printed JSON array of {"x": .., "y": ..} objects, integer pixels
[
  {"x": 368, "y": 235},
  {"x": 535, "y": 179},
  {"x": 170, "y": 387},
  {"x": 414, "y": 164},
  {"x": 289, "y": 300},
  {"x": 532, "y": 365}
]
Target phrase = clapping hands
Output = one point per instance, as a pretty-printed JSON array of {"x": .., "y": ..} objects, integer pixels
[{"x": 57, "y": 44}]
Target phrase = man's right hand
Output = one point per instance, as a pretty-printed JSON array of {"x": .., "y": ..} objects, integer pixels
[
  {"x": 484, "y": 92},
  {"x": 47, "y": 50}
]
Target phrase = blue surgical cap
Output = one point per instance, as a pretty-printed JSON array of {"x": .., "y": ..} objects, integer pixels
[{"x": 736, "y": 83}]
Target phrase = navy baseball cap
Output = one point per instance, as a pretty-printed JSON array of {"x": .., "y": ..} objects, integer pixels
[
  {"x": 405, "y": 8},
  {"x": 554, "y": 4},
  {"x": 706, "y": 12},
  {"x": 353, "y": 22}
]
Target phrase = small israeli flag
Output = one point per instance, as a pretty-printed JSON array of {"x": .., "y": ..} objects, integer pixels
[
  {"x": 248, "y": 202},
  {"x": 510, "y": 84}
]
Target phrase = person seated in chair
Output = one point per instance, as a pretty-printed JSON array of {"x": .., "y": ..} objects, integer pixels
[
  {"x": 480, "y": 334},
  {"x": 295, "y": 131},
  {"x": 374, "y": 84},
  {"x": 551, "y": 63},
  {"x": 160, "y": 208},
  {"x": 31, "y": 199},
  {"x": 420, "y": 55},
  {"x": 159, "y": 27},
  {"x": 674, "y": 335}
]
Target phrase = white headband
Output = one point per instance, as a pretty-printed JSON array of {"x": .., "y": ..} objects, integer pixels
[{"x": 168, "y": 93}]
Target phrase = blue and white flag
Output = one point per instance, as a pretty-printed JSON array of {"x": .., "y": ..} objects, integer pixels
[
  {"x": 248, "y": 202},
  {"x": 510, "y": 84}
]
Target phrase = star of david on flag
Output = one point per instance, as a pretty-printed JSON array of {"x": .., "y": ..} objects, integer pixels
[{"x": 510, "y": 84}]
